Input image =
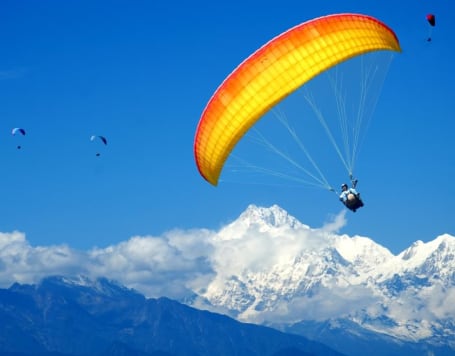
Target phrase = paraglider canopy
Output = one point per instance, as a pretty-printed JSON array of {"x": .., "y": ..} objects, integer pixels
[
  {"x": 18, "y": 131},
  {"x": 431, "y": 19},
  {"x": 100, "y": 138},
  {"x": 276, "y": 70}
]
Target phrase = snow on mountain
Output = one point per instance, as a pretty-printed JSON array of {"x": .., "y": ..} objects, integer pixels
[
  {"x": 272, "y": 269},
  {"x": 99, "y": 285},
  {"x": 262, "y": 219},
  {"x": 440, "y": 251}
]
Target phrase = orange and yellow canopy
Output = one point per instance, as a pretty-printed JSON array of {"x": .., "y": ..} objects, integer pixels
[{"x": 276, "y": 70}]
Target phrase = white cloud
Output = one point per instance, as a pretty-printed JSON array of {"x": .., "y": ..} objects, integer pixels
[
  {"x": 259, "y": 248},
  {"x": 171, "y": 265},
  {"x": 336, "y": 223},
  {"x": 20, "y": 262},
  {"x": 328, "y": 303}
]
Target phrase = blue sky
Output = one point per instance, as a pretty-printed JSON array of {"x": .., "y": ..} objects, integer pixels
[{"x": 141, "y": 72}]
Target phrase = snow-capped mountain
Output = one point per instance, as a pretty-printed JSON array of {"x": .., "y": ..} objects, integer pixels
[
  {"x": 268, "y": 268},
  {"x": 271, "y": 269}
]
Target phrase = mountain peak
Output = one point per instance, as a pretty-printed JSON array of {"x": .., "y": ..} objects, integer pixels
[
  {"x": 273, "y": 216},
  {"x": 101, "y": 285},
  {"x": 262, "y": 219},
  {"x": 420, "y": 251}
]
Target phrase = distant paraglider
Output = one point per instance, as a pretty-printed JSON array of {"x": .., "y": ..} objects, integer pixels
[
  {"x": 98, "y": 138},
  {"x": 18, "y": 131},
  {"x": 431, "y": 18}
]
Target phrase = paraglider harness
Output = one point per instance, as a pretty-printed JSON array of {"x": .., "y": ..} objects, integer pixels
[{"x": 352, "y": 201}]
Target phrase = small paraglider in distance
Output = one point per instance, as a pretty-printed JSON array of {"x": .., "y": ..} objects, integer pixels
[
  {"x": 18, "y": 131},
  {"x": 98, "y": 138},
  {"x": 431, "y": 18}
]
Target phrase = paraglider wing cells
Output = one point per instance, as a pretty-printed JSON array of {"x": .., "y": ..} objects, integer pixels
[{"x": 276, "y": 70}]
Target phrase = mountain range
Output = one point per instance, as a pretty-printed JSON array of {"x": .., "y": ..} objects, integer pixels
[
  {"x": 334, "y": 287},
  {"x": 264, "y": 270},
  {"x": 79, "y": 316}
]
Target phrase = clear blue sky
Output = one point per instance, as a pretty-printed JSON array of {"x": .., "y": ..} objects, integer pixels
[{"x": 141, "y": 72}]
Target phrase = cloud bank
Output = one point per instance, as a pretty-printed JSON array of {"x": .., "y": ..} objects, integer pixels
[{"x": 170, "y": 265}]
